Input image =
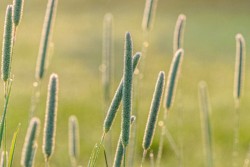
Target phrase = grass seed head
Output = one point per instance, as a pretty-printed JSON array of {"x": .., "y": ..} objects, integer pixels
[
  {"x": 127, "y": 89},
  {"x": 30, "y": 143},
  {"x": 173, "y": 78},
  {"x": 179, "y": 32},
  {"x": 117, "y": 99},
  {"x": 7, "y": 44},
  {"x": 50, "y": 117},
  {"x": 149, "y": 13},
  {"x": 239, "y": 66},
  {"x": 45, "y": 39},
  {"x": 154, "y": 112},
  {"x": 74, "y": 144},
  {"x": 17, "y": 11}
]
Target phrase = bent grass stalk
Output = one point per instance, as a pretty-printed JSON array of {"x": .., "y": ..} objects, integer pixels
[
  {"x": 238, "y": 87},
  {"x": 50, "y": 118},
  {"x": 171, "y": 85},
  {"x": 153, "y": 114},
  {"x": 74, "y": 142},
  {"x": 205, "y": 122},
  {"x": 179, "y": 32},
  {"x": 30, "y": 143}
]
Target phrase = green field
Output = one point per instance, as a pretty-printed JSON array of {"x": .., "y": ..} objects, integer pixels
[{"x": 209, "y": 45}]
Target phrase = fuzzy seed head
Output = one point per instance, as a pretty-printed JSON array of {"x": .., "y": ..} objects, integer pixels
[
  {"x": 149, "y": 14},
  {"x": 179, "y": 32},
  {"x": 50, "y": 117},
  {"x": 73, "y": 137},
  {"x": 116, "y": 101},
  {"x": 45, "y": 39},
  {"x": 173, "y": 78},
  {"x": 154, "y": 112},
  {"x": 17, "y": 11},
  {"x": 7, "y": 44},
  {"x": 30, "y": 143},
  {"x": 127, "y": 89},
  {"x": 239, "y": 66}
]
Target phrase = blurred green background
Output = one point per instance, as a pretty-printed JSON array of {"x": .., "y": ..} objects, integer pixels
[{"x": 209, "y": 46}]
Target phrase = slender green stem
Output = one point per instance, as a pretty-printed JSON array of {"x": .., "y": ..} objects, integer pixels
[
  {"x": 247, "y": 159},
  {"x": 124, "y": 157},
  {"x": 163, "y": 131},
  {"x": 172, "y": 143},
  {"x": 35, "y": 98},
  {"x": 236, "y": 134},
  {"x": 143, "y": 157},
  {"x": 47, "y": 163},
  {"x": 152, "y": 161}
]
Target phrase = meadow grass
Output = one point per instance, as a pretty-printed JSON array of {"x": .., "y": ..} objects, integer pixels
[{"x": 212, "y": 58}]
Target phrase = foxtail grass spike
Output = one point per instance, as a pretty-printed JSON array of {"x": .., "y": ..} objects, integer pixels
[
  {"x": 173, "y": 78},
  {"x": 154, "y": 112},
  {"x": 107, "y": 54},
  {"x": 179, "y": 32},
  {"x": 4, "y": 156},
  {"x": 239, "y": 66},
  {"x": 120, "y": 150},
  {"x": 45, "y": 39},
  {"x": 7, "y": 44},
  {"x": 127, "y": 90},
  {"x": 50, "y": 117},
  {"x": 117, "y": 99},
  {"x": 17, "y": 11},
  {"x": 73, "y": 138},
  {"x": 205, "y": 121},
  {"x": 30, "y": 143},
  {"x": 149, "y": 14}
]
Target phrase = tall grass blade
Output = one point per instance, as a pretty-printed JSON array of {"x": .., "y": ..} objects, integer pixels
[{"x": 12, "y": 147}]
